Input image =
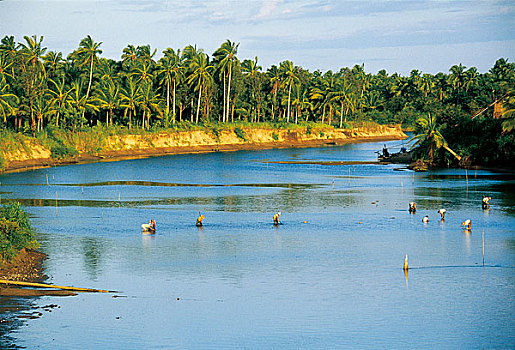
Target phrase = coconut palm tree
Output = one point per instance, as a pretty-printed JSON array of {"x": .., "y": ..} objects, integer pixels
[
  {"x": 129, "y": 55},
  {"x": 251, "y": 70},
  {"x": 165, "y": 74},
  {"x": 429, "y": 134},
  {"x": 8, "y": 101},
  {"x": 200, "y": 76},
  {"x": 177, "y": 74},
  {"x": 142, "y": 73},
  {"x": 9, "y": 48},
  {"x": 457, "y": 79},
  {"x": 5, "y": 72},
  {"x": 108, "y": 98},
  {"x": 275, "y": 80},
  {"x": 33, "y": 51},
  {"x": 52, "y": 60},
  {"x": 58, "y": 95},
  {"x": 226, "y": 57},
  {"x": 130, "y": 99},
  {"x": 289, "y": 78},
  {"x": 87, "y": 56},
  {"x": 148, "y": 102}
]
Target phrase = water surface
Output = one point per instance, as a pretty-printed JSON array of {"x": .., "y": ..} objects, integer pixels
[{"x": 329, "y": 277}]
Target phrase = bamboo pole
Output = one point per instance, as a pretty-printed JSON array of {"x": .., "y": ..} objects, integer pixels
[
  {"x": 44, "y": 285},
  {"x": 483, "y": 247}
]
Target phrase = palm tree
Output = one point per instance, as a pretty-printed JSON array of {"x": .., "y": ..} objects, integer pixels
[
  {"x": 165, "y": 75},
  {"x": 431, "y": 136},
  {"x": 87, "y": 54},
  {"x": 80, "y": 102},
  {"x": 457, "y": 78},
  {"x": 148, "y": 101},
  {"x": 33, "y": 51},
  {"x": 144, "y": 54},
  {"x": 275, "y": 80},
  {"x": 143, "y": 73},
  {"x": 108, "y": 98},
  {"x": 52, "y": 61},
  {"x": 341, "y": 94},
  {"x": 251, "y": 70},
  {"x": 8, "y": 100},
  {"x": 289, "y": 78},
  {"x": 9, "y": 48},
  {"x": 129, "y": 55},
  {"x": 200, "y": 76},
  {"x": 42, "y": 109},
  {"x": 4, "y": 68},
  {"x": 58, "y": 97},
  {"x": 130, "y": 99},
  {"x": 177, "y": 73},
  {"x": 226, "y": 57}
]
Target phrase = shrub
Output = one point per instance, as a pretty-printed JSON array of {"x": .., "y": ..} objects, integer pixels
[
  {"x": 240, "y": 133},
  {"x": 275, "y": 136},
  {"x": 16, "y": 232},
  {"x": 60, "y": 151}
]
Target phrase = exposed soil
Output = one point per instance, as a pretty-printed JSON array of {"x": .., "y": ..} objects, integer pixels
[
  {"x": 26, "y": 267},
  {"x": 141, "y": 146}
]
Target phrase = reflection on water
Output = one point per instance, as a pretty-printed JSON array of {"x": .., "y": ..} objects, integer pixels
[{"x": 329, "y": 277}]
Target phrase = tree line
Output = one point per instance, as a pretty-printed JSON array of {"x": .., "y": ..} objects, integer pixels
[{"x": 41, "y": 88}]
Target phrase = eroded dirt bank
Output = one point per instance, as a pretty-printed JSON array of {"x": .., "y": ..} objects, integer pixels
[{"x": 130, "y": 146}]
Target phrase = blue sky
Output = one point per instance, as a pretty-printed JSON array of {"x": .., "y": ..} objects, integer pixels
[{"x": 398, "y": 36}]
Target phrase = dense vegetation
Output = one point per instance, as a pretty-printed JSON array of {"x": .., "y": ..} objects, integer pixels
[
  {"x": 41, "y": 91},
  {"x": 16, "y": 232}
]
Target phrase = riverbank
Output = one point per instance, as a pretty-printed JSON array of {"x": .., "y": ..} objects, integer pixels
[{"x": 31, "y": 153}]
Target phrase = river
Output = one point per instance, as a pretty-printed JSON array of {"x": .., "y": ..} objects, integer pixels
[{"x": 329, "y": 277}]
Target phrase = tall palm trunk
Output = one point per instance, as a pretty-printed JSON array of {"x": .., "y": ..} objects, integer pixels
[
  {"x": 288, "y": 115},
  {"x": 89, "y": 88},
  {"x": 174, "y": 100},
  {"x": 198, "y": 103},
  {"x": 229, "y": 89},
  {"x": 225, "y": 112}
]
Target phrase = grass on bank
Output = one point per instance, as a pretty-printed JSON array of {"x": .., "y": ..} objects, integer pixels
[{"x": 16, "y": 232}]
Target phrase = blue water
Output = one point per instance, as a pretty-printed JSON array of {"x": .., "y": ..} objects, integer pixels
[{"x": 330, "y": 277}]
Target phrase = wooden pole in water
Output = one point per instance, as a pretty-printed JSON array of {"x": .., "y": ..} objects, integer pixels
[
  {"x": 483, "y": 247},
  {"x": 47, "y": 179},
  {"x": 43, "y": 285}
]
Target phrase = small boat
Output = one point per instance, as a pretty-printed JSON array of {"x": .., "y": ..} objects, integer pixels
[{"x": 402, "y": 156}]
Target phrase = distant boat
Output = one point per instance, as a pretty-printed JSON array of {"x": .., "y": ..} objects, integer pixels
[{"x": 400, "y": 157}]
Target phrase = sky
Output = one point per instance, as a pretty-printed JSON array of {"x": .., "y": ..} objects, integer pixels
[{"x": 397, "y": 36}]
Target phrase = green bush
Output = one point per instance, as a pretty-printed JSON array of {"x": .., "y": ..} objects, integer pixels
[
  {"x": 16, "y": 232},
  {"x": 275, "y": 136},
  {"x": 240, "y": 133},
  {"x": 60, "y": 151}
]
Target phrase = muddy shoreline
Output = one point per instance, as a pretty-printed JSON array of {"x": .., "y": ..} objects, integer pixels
[{"x": 123, "y": 154}]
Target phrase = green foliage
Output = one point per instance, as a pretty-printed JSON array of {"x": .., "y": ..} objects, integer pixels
[
  {"x": 16, "y": 232},
  {"x": 275, "y": 136},
  {"x": 240, "y": 133},
  {"x": 61, "y": 151}
]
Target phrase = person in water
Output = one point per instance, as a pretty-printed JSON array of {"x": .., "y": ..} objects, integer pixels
[
  {"x": 442, "y": 213},
  {"x": 486, "y": 202},
  {"x": 412, "y": 207},
  {"x": 276, "y": 218},
  {"x": 425, "y": 219},
  {"x": 199, "y": 220},
  {"x": 467, "y": 225},
  {"x": 150, "y": 227}
]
